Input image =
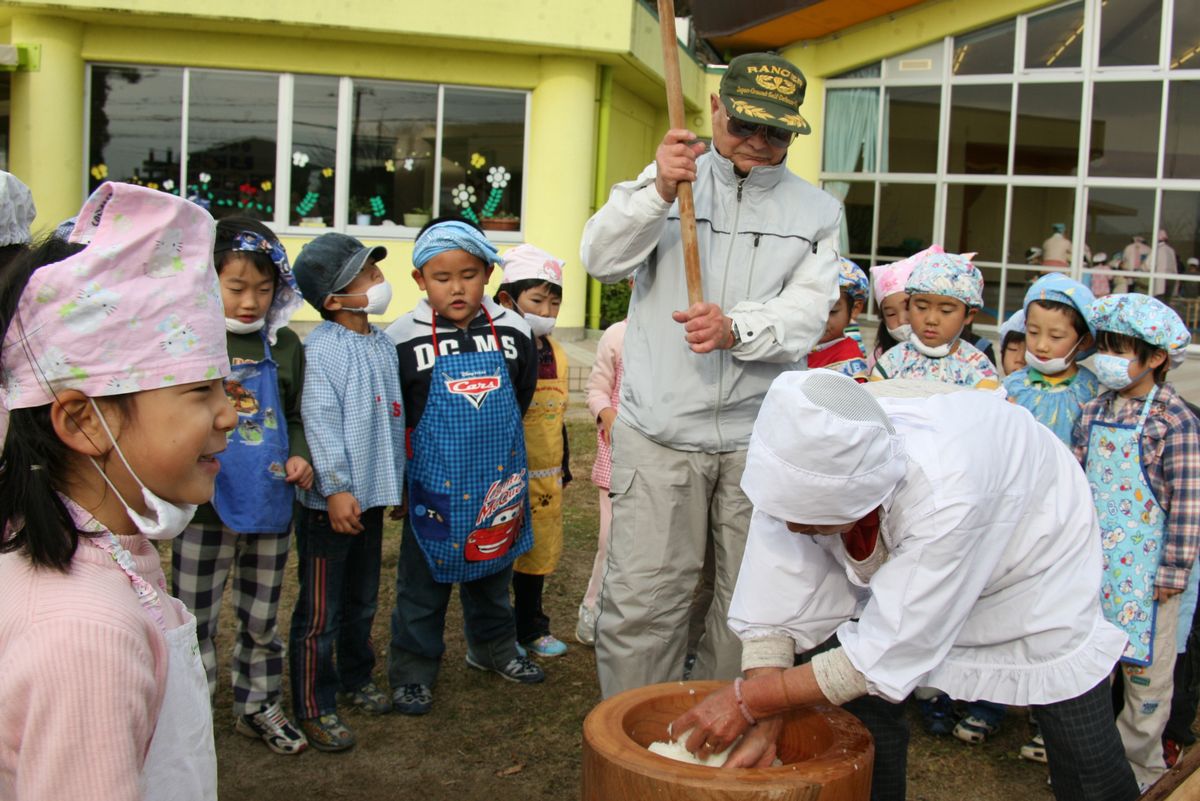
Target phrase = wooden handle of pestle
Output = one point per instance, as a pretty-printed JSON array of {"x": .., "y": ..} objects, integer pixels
[{"x": 678, "y": 119}]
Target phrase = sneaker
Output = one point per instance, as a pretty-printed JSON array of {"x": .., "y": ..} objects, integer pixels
[
  {"x": 328, "y": 733},
  {"x": 937, "y": 713},
  {"x": 546, "y": 646},
  {"x": 1171, "y": 751},
  {"x": 1035, "y": 749},
  {"x": 585, "y": 629},
  {"x": 412, "y": 699},
  {"x": 520, "y": 669},
  {"x": 369, "y": 698},
  {"x": 974, "y": 730},
  {"x": 270, "y": 724}
]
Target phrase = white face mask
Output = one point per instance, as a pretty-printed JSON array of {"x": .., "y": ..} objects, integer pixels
[
  {"x": 1050, "y": 366},
  {"x": 541, "y": 326},
  {"x": 236, "y": 326},
  {"x": 169, "y": 519},
  {"x": 901, "y": 333},
  {"x": 378, "y": 297},
  {"x": 938, "y": 352}
]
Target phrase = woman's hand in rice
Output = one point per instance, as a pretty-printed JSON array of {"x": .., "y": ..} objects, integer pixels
[
  {"x": 716, "y": 722},
  {"x": 758, "y": 748}
]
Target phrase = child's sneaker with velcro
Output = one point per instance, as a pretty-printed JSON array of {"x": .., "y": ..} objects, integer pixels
[
  {"x": 1035, "y": 749},
  {"x": 273, "y": 728},
  {"x": 546, "y": 646},
  {"x": 328, "y": 733},
  {"x": 412, "y": 699},
  {"x": 974, "y": 730},
  {"x": 520, "y": 669},
  {"x": 369, "y": 698}
]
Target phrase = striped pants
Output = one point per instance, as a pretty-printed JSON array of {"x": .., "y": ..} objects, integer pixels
[{"x": 202, "y": 558}]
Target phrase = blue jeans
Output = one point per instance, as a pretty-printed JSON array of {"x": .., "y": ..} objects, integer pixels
[
  {"x": 335, "y": 606},
  {"x": 419, "y": 618}
]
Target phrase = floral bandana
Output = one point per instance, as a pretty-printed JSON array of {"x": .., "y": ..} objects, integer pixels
[
  {"x": 852, "y": 280},
  {"x": 891, "y": 278},
  {"x": 950, "y": 275},
  {"x": 526, "y": 262},
  {"x": 138, "y": 308},
  {"x": 287, "y": 294},
  {"x": 1145, "y": 318}
]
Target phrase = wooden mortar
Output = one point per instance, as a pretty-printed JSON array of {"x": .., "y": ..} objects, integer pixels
[{"x": 826, "y": 753}]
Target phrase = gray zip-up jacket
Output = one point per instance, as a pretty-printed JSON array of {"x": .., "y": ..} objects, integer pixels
[{"x": 768, "y": 258}]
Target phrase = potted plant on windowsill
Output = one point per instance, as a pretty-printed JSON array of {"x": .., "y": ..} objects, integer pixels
[
  {"x": 361, "y": 209},
  {"x": 417, "y": 217},
  {"x": 501, "y": 222}
]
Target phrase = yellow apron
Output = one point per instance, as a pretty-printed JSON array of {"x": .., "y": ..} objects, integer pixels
[{"x": 544, "y": 447}]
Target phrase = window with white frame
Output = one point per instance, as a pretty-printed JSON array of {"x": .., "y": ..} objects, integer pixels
[
  {"x": 308, "y": 151},
  {"x": 1082, "y": 114}
]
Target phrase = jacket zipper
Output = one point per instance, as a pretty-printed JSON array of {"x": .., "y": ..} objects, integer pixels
[{"x": 737, "y": 213}]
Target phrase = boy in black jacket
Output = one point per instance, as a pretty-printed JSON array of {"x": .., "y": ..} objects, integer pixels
[{"x": 468, "y": 369}]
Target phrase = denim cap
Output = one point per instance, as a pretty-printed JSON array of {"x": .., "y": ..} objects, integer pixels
[
  {"x": 1061, "y": 289},
  {"x": 852, "y": 280},
  {"x": 1146, "y": 318},
  {"x": 951, "y": 275},
  {"x": 329, "y": 263}
]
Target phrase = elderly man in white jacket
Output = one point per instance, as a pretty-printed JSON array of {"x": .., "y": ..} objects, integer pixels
[
  {"x": 948, "y": 541},
  {"x": 695, "y": 376}
]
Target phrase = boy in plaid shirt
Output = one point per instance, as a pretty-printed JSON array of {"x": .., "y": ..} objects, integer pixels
[
  {"x": 1140, "y": 446},
  {"x": 468, "y": 371}
]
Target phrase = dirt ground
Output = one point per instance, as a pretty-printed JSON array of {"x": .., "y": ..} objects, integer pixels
[{"x": 489, "y": 740}]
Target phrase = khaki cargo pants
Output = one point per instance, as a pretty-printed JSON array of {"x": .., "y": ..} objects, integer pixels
[{"x": 666, "y": 504}]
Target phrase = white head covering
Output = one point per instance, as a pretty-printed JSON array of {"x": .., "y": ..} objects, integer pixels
[
  {"x": 16, "y": 210},
  {"x": 822, "y": 452}
]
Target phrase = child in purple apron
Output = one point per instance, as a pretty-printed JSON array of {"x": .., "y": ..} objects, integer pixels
[
  {"x": 468, "y": 369},
  {"x": 1140, "y": 446},
  {"x": 246, "y": 530}
]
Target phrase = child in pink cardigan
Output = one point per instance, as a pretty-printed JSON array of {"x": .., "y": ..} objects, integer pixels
[
  {"x": 603, "y": 394},
  {"x": 113, "y": 412}
]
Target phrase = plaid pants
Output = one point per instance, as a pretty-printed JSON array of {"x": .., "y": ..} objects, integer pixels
[
  {"x": 201, "y": 559},
  {"x": 1087, "y": 760}
]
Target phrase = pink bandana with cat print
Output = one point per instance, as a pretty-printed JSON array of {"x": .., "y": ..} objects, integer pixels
[{"x": 138, "y": 308}]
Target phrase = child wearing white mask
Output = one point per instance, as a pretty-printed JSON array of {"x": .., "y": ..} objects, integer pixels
[
  {"x": 1140, "y": 447},
  {"x": 532, "y": 285},
  {"x": 945, "y": 291},
  {"x": 113, "y": 415},
  {"x": 1058, "y": 334}
]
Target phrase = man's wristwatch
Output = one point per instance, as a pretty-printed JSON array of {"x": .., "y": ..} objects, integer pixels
[{"x": 736, "y": 334}]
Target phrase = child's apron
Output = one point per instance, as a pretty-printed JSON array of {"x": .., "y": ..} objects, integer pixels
[
  {"x": 181, "y": 763},
  {"x": 468, "y": 493},
  {"x": 1131, "y": 531},
  {"x": 252, "y": 495},
  {"x": 544, "y": 446}
]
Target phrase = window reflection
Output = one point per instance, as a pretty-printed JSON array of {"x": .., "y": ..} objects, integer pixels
[
  {"x": 1036, "y": 213},
  {"x": 1182, "y": 156},
  {"x": 1185, "y": 35},
  {"x": 1125, "y": 122},
  {"x": 392, "y": 152},
  {"x": 135, "y": 129},
  {"x": 985, "y": 52},
  {"x": 979, "y": 117},
  {"x": 1047, "y": 129},
  {"x": 1129, "y": 32},
  {"x": 314, "y": 150},
  {"x": 483, "y": 142},
  {"x": 1055, "y": 38},
  {"x": 1119, "y": 223},
  {"x": 975, "y": 220},
  {"x": 905, "y": 218},
  {"x": 231, "y": 142},
  {"x": 911, "y": 129}
]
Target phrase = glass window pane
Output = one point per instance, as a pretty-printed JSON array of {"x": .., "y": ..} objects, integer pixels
[
  {"x": 483, "y": 147},
  {"x": 314, "y": 150},
  {"x": 851, "y": 128},
  {"x": 975, "y": 220},
  {"x": 1185, "y": 36},
  {"x": 1055, "y": 38},
  {"x": 1035, "y": 211},
  {"x": 990, "y": 314},
  {"x": 1125, "y": 132},
  {"x": 911, "y": 132},
  {"x": 860, "y": 216},
  {"x": 1181, "y": 219},
  {"x": 136, "y": 120},
  {"x": 923, "y": 63},
  {"x": 979, "y": 118},
  {"x": 231, "y": 142},
  {"x": 1182, "y": 157},
  {"x": 869, "y": 71},
  {"x": 1129, "y": 32},
  {"x": 985, "y": 52},
  {"x": 905, "y": 219},
  {"x": 1114, "y": 217},
  {"x": 391, "y": 153},
  {"x": 1047, "y": 129}
]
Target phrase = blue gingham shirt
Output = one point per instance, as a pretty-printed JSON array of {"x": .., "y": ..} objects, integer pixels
[{"x": 353, "y": 417}]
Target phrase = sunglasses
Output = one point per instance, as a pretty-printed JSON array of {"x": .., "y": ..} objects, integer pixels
[{"x": 776, "y": 137}]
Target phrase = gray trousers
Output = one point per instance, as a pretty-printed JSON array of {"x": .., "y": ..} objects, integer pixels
[{"x": 666, "y": 506}]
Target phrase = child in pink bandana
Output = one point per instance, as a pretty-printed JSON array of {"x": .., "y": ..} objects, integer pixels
[{"x": 113, "y": 355}]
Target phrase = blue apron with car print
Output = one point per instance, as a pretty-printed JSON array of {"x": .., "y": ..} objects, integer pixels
[
  {"x": 252, "y": 494},
  {"x": 1131, "y": 531},
  {"x": 468, "y": 480}
]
